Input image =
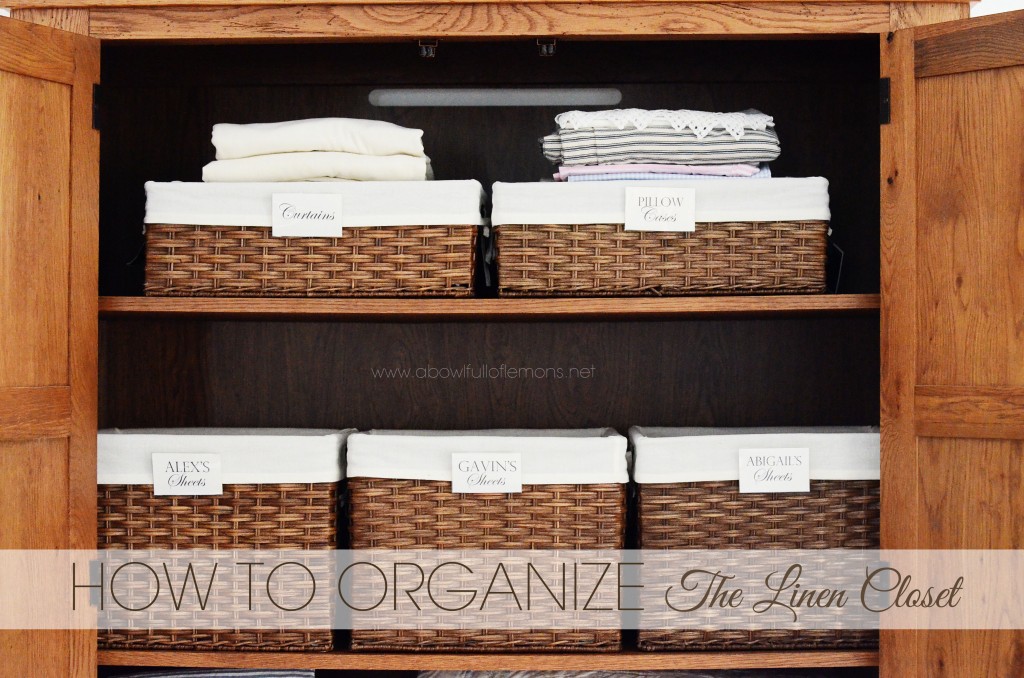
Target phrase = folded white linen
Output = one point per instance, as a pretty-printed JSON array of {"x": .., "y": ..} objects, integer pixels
[
  {"x": 571, "y": 456},
  {"x": 319, "y": 165},
  {"x": 366, "y": 203},
  {"x": 692, "y": 455},
  {"x": 604, "y": 202},
  {"x": 346, "y": 135},
  {"x": 262, "y": 455}
]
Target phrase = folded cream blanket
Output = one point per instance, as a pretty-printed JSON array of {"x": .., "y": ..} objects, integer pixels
[
  {"x": 319, "y": 166},
  {"x": 345, "y": 135}
]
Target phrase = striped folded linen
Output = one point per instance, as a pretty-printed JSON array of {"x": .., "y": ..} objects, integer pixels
[
  {"x": 319, "y": 166},
  {"x": 737, "y": 170},
  {"x": 343, "y": 135},
  {"x": 763, "y": 173},
  {"x": 661, "y": 145}
]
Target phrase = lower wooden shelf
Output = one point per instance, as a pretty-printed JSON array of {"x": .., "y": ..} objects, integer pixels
[
  {"x": 489, "y": 309},
  {"x": 367, "y": 661}
]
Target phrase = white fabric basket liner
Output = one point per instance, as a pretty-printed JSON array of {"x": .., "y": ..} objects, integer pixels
[
  {"x": 717, "y": 200},
  {"x": 261, "y": 455},
  {"x": 550, "y": 457},
  {"x": 364, "y": 203},
  {"x": 690, "y": 455}
]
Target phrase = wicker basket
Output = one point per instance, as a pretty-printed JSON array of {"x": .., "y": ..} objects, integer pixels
[
  {"x": 412, "y": 513},
  {"x": 606, "y": 260},
  {"x": 269, "y": 516},
  {"x": 547, "y": 249},
  {"x": 201, "y": 250},
  {"x": 716, "y": 515}
]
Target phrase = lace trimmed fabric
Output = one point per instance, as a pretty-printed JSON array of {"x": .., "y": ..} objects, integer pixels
[{"x": 701, "y": 123}]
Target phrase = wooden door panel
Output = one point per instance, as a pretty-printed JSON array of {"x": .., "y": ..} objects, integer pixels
[
  {"x": 970, "y": 255},
  {"x": 40, "y": 649},
  {"x": 42, "y": 466},
  {"x": 35, "y": 146},
  {"x": 49, "y": 157},
  {"x": 953, "y": 318},
  {"x": 971, "y": 493},
  {"x": 994, "y": 654}
]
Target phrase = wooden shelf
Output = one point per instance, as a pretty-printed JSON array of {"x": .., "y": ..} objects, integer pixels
[
  {"x": 368, "y": 661},
  {"x": 488, "y": 309}
]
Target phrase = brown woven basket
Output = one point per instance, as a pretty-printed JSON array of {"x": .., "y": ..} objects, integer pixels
[
  {"x": 239, "y": 261},
  {"x": 718, "y": 258},
  {"x": 715, "y": 515},
  {"x": 246, "y": 516},
  {"x": 426, "y": 514}
]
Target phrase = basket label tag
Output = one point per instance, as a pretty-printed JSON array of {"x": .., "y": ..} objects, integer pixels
[
  {"x": 306, "y": 215},
  {"x": 480, "y": 472},
  {"x": 661, "y": 209},
  {"x": 778, "y": 469},
  {"x": 186, "y": 474}
]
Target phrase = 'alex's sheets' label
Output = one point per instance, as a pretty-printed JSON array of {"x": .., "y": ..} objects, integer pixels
[{"x": 186, "y": 474}]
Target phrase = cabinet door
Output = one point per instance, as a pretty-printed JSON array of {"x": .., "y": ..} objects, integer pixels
[
  {"x": 49, "y": 157},
  {"x": 953, "y": 316}
]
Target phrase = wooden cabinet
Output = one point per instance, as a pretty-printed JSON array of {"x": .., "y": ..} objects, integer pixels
[{"x": 934, "y": 244}]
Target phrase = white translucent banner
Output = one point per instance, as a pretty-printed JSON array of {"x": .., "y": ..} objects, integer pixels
[{"x": 512, "y": 590}]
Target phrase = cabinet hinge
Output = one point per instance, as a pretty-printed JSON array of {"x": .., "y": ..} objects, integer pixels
[
  {"x": 96, "y": 107},
  {"x": 884, "y": 101}
]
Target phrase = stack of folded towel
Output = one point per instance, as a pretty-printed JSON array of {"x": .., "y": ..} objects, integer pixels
[
  {"x": 630, "y": 144},
  {"x": 320, "y": 149}
]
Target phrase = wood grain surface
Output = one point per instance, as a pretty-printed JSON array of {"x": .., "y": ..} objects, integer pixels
[
  {"x": 970, "y": 253},
  {"x": 49, "y": 5},
  {"x": 483, "y": 309},
  {"x": 376, "y": 661},
  {"x": 71, "y": 20},
  {"x": 910, "y": 14},
  {"x": 898, "y": 650},
  {"x": 379, "y": 22},
  {"x": 35, "y": 412},
  {"x": 983, "y": 45},
  {"x": 970, "y": 412},
  {"x": 35, "y": 211}
]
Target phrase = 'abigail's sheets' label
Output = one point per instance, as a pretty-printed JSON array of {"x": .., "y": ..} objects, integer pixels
[{"x": 784, "y": 469}]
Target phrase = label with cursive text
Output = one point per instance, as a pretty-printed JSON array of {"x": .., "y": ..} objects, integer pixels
[
  {"x": 186, "y": 474},
  {"x": 479, "y": 472},
  {"x": 306, "y": 215},
  {"x": 661, "y": 209},
  {"x": 781, "y": 469}
]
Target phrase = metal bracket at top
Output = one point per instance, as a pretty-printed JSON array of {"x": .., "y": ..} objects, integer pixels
[
  {"x": 546, "y": 46},
  {"x": 428, "y": 48}
]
